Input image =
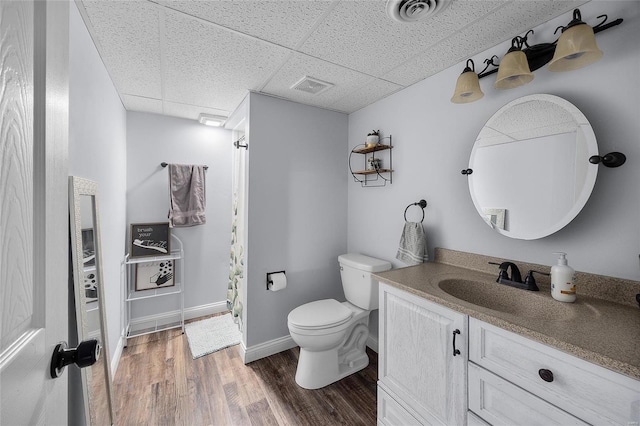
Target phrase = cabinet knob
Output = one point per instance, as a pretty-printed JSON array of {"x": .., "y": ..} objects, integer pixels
[{"x": 546, "y": 375}]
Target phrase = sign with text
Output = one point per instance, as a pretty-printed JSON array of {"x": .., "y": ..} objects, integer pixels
[{"x": 150, "y": 239}]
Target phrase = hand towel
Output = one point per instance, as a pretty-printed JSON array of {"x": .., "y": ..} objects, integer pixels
[
  {"x": 187, "y": 195},
  {"x": 413, "y": 244}
]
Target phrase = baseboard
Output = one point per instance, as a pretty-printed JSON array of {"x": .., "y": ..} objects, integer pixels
[
  {"x": 265, "y": 349},
  {"x": 372, "y": 343},
  {"x": 281, "y": 344},
  {"x": 115, "y": 361},
  {"x": 189, "y": 313}
]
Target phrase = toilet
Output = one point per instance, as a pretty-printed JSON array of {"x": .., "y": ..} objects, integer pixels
[{"x": 333, "y": 335}]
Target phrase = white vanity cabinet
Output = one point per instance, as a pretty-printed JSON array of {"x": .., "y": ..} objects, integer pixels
[
  {"x": 515, "y": 380},
  {"x": 422, "y": 372},
  {"x": 498, "y": 377}
]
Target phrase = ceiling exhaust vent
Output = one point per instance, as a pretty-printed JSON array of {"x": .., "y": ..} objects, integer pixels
[
  {"x": 415, "y": 10},
  {"x": 311, "y": 85}
]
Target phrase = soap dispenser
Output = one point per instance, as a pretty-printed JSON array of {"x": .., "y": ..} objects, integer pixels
[{"x": 563, "y": 287}]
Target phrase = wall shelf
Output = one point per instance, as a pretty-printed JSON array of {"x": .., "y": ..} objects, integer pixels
[
  {"x": 132, "y": 296},
  {"x": 370, "y": 177}
]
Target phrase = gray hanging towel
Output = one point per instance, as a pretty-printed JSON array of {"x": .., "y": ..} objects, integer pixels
[
  {"x": 413, "y": 244},
  {"x": 187, "y": 195}
]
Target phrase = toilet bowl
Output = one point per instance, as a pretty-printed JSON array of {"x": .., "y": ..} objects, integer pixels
[{"x": 332, "y": 335}]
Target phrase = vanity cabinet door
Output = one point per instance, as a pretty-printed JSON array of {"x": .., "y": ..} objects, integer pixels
[{"x": 416, "y": 357}]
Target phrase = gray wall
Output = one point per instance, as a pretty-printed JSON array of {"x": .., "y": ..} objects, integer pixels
[
  {"x": 434, "y": 137},
  {"x": 297, "y": 206},
  {"x": 152, "y": 139},
  {"x": 97, "y": 151}
]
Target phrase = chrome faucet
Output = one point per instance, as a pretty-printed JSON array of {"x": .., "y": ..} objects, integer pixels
[{"x": 515, "y": 280}]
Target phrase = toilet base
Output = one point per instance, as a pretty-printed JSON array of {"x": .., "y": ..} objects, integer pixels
[{"x": 321, "y": 368}]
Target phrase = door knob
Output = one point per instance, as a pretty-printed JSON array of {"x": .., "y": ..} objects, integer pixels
[{"x": 86, "y": 354}]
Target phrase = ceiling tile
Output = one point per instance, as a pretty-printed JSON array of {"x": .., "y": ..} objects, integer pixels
[
  {"x": 209, "y": 66},
  {"x": 368, "y": 93},
  {"x": 191, "y": 111},
  {"x": 360, "y": 35},
  {"x": 127, "y": 37},
  {"x": 138, "y": 103},
  {"x": 300, "y": 65},
  {"x": 280, "y": 22}
]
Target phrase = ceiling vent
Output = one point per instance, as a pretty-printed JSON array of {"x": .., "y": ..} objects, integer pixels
[
  {"x": 415, "y": 10},
  {"x": 311, "y": 85}
]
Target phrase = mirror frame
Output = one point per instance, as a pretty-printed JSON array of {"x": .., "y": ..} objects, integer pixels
[
  {"x": 591, "y": 148},
  {"x": 79, "y": 187}
]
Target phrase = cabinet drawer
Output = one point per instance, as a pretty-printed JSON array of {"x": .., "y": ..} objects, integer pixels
[
  {"x": 588, "y": 391},
  {"x": 391, "y": 413},
  {"x": 502, "y": 403}
]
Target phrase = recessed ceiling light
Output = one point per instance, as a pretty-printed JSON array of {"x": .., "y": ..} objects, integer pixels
[
  {"x": 311, "y": 85},
  {"x": 212, "y": 120}
]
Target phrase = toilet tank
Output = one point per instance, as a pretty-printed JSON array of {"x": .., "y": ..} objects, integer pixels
[{"x": 355, "y": 272}]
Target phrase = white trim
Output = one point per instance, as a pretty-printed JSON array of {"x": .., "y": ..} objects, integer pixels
[
  {"x": 189, "y": 313},
  {"x": 115, "y": 360},
  {"x": 372, "y": 343},
  {"x": 266, "y": 349},
  {"x": 281, "y": 344}
]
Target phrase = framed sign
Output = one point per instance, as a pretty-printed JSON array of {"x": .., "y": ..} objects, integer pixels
[
  {"x": 153, "y": 275},
  {"x": 150, "y": 239}
]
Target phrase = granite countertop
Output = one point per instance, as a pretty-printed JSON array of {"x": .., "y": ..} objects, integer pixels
[{"x": 595, "y": 329}]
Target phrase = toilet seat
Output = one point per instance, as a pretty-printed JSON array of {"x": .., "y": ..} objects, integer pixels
[{"x": 320, "y": 314}]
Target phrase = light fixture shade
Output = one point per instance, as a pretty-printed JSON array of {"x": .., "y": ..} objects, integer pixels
[
  {"x": 576, "y": 48},
  {"x": 513, "y": 71},
  {"x": 467, "y": 88}
]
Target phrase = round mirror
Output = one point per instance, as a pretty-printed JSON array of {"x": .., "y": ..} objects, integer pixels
[{"x": 531, "y": 171}]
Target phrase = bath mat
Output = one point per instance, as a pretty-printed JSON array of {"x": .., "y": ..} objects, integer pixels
[{"x": 212, "y": 334}]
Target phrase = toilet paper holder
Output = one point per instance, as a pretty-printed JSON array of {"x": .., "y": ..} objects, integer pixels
[{"x": 269, "y": 280}]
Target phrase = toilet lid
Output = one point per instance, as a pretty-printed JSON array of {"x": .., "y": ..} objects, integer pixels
[{"x": 319, "y": 314}]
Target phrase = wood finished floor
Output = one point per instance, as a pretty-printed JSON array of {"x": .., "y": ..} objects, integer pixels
[{"x": 158, "y": 383}]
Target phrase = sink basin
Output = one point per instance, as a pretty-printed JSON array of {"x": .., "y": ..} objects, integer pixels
[{"x": 501, "y": 298}]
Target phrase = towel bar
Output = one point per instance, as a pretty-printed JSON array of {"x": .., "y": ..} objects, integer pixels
[
  {"x": 163, "y": 164},
  {"x": 421, "y": 203}
]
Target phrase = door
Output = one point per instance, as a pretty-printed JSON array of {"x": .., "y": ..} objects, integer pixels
[
  {"x": 422, "y": 356},
  {"x": 33, "y": 209}
]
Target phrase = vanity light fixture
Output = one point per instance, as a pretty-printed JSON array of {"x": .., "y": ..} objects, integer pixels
[
  {"x": 467, "y": 86},
  {"x": 514, "y": 68},
  {"x": 576, "y": 48},
  {"x": 212, "y": 120}
]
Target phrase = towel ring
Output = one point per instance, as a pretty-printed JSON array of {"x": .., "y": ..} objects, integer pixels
[{"x": 421, "y": 203}]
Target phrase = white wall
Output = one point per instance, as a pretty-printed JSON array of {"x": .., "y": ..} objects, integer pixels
[
  {"x": 297, "y": 198},
  {"x": 97, "y": 151},
  {"x": 151, "y": 140},
  {"x": 433, "y": 139}
]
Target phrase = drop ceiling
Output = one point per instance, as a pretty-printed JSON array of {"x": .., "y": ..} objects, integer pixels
[{"x": 183, "y": 58}]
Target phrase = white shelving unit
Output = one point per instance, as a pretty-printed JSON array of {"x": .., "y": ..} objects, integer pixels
[{"x": 132, "y": 296}]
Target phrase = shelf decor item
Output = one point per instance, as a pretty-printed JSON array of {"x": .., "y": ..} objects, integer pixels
[
  {"x": 150, "y": 239},
  {"x": 153, "y": 275},
  {"x": 373, "y": 138}
]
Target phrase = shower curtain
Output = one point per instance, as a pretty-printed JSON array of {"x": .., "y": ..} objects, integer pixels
[
  {"x": 234, "y": 303},
  {"x": 236, "y": 264}
]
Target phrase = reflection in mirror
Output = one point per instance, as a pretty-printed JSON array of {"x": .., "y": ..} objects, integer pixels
[
  {"x": 531, "y": 171},
  {"x": 89, "y": 298}
]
